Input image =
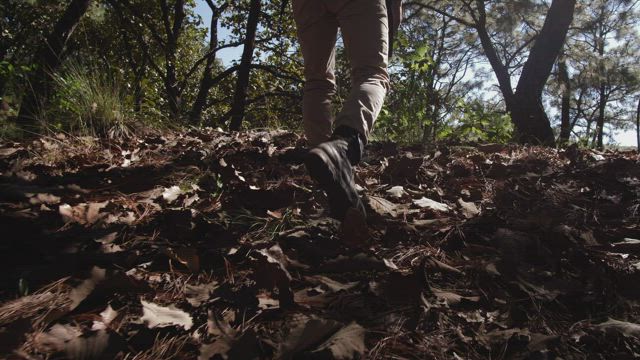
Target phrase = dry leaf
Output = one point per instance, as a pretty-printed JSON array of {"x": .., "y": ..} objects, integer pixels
[
  {"x": 469, "y": 209},
  {"x": 347, "y": 343},
  {"x": 199, "y": 294},
  {"x": 382, "y": 207},
  {"x": 426, "y": 203},
  {"x": 621, "y": 327},
  {"x": 156, "y": 316},
  {"x": 397, "y": 192},
  {"x": 307, "y": 336}
]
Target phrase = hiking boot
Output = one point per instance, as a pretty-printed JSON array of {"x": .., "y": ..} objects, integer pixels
[{"x": 331, "y": 165}]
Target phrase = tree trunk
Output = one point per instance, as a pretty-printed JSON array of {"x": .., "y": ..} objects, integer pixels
[
  {"x": 138, "y": 91},
  {"x": 602, "y": 106},
  {"x": 565, "y": 124},
  {"x": 48, "y": 59},
  {"x": 240, "y": 96},
  {"x": 499, "y": 69},
  {"x": 195, "y": 116},
  {"x": 638, "y": 125},
  {"x": 602, "y": 91},
  {"x": 529, "y": 116},
  {"x": 173, "y": 31}
]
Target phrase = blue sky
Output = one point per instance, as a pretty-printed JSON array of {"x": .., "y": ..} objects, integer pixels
[
  {"x": 226, "y": 55},
  {"x": 627, "y": 138}
]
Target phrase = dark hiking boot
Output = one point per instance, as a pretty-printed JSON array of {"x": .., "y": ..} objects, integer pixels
[{"x": 331, "y": 165}]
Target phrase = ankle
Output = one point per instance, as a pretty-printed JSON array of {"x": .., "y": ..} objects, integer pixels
[{"x": 355, "y": 141}]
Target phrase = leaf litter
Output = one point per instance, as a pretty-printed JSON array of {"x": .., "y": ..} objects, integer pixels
[{"x": 207, "y": 244}]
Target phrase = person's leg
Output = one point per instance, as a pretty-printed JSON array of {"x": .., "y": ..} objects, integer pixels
[
  {"x": 365, "y": 31},
  {"x": 317, "y": 33}
]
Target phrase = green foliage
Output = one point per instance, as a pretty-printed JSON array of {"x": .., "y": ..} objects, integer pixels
[
  {"x": 91, "y": 102},
  {"x": 476, "y": 123}
]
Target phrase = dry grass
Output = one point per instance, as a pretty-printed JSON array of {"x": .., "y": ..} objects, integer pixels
[
  {"x": 36, "y": 306},
  {"x": 167, "y": 347}
]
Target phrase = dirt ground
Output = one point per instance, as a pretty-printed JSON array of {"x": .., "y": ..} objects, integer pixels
[{"x": 215, "y": 245}]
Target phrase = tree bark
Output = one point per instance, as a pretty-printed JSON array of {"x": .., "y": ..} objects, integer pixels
[
  {"x": 195, "y": 116},
  {"x": 602, "y": 90},
  {"x": 602, "y": 107},
  {"x": 565, "y": 123},
  {"x": 238, "y": 107},
  {"x": 500, "y": 70},
  {"x": 528, "y": 113},
  {"x": 48, "y": 59},
  {"x": 173, "y": 31},
  {"x": 638, "y": 125}
]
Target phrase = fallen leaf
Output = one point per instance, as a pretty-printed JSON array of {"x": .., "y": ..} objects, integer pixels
[
  {"x": 245, "y": 347},
  {"x": 48, "y": 199},
  {"x": 270, "y": 271},
  {"x": 426, "y": 203},
  {"x": 347, "y": 343},
  {"x": 171, "y": 194},
  {"x": 622, "y": 327},
  {"x": 82, "y": 291},
  {"x": 453, "y": 299},
  {"x": 382, "y": 207},
  {"x": 156, "y": 316},
  {"x": 397, "y": 192},
  {"x": 469, "y": 209},
  {"x": 307, "y": 336},
  {"x": 106, "y": 317},
  {"x": 359, "y": 262},
  {"x": 330, "y": 284},
  {"x": 220, "y": 325},
  {"x": 83, "y": 214},
  {"x": 71, "y": 341},
  {"x": 199, "y": 294},
  {"x": 500, "y": 337}
]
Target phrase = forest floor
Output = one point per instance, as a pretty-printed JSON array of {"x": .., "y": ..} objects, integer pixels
[{"x": 214, "y": 245}]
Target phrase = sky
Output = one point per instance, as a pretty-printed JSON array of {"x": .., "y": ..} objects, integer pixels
[
  {"x": 623, "y": 138},
  {"x": 226, "y": 55}
]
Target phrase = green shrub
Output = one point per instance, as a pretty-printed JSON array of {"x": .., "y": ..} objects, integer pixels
[{"x": 90, "y": 102}]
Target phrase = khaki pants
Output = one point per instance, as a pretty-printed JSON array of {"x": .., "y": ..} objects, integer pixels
[{"x": 365, "y": 32}]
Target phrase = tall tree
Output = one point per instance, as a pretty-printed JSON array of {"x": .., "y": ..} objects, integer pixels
[
  {"x": 48, "y": 59},
  {"x": 543, "y": 45},
  {"x": 565, "y": 117},
  {"x": 207, "y": 80},
  {"x": 238, "y": 107},
  {"x": 601, "y": 70}
]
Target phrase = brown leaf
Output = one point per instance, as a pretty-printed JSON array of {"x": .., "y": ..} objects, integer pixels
[
  {"x": 348, "y": 343},
  {"x": 74, "y": 344},
  {"x": 270, "y": 272},
  {"x": 199, "y": 294},
  {"x": 453, "y": 299},
  {"x": 245, "y": 347},
  {"x": 622, "y": 327},
  {"x": 382, "y": 207},
  {"x": 47, "y": 199},
  {"x": 469, "y": 209},
  {"x": 220, "y": 325},
  {"x": 359, "y": 262},
  {"x": 83, "y": 214},
  {"x": 156, "y": 316},
  {"x": 397, "y": 192},
  {"x": 330, "y": 284},
  {"x": 307, "y": 336},
  {"x": 426, "y": 203},
  {"x": 171, "y": 194}
]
